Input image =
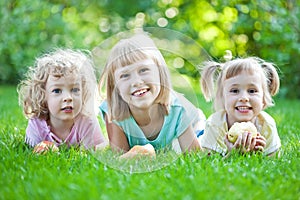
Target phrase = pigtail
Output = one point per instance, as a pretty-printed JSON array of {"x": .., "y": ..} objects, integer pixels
[
  {"x": 209, "y": 74},
  {"x": 272, "y": 77}
]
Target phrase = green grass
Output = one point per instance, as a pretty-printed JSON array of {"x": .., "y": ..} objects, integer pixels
[{"x": 80, "y": 175}]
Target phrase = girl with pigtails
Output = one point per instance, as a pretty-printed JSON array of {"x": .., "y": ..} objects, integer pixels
[{"x": 241, "y": 89}]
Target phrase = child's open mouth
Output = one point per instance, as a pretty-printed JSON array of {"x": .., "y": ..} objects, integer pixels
[
  {"x": 243, "y": 108},
  {"x": 139, "y": 93},
  {"x": 67, "y": 109}
]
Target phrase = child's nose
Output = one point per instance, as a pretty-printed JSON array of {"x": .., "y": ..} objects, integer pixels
[
  {"x": 244, "y": 97},
  {"x": 68, "y": 97},
  {"x": 136, "y": 81}
]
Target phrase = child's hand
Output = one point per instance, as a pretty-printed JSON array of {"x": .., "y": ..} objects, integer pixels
[
  {"x": 229, "y": 145},
  {"x": 245, "y": 142},
  {"x": 260, "y": 143},
  {"x": 45, "y": 146},
  {"x": 241, "y": 136},
  {"x": 239, "y": 128},
  {"x": 138, "y": 150}
]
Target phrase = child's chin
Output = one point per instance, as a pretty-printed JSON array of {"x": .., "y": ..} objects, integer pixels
[{"x": 244, "y": 119}]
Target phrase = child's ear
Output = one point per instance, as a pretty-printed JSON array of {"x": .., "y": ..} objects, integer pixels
[{"x": 264, "y": 104}]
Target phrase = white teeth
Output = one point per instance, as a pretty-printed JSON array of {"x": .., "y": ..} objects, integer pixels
[
  {"x": 242, "y": 108},
  {"x": 67, "y": 108},
  {"x": 140, "y": 92}
]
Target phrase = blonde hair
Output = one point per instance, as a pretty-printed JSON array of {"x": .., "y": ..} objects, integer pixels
[
  {"x": 214, "y": 74},
  {"x": 128, "y": 51},
  {"x": 60, "y": 62}
]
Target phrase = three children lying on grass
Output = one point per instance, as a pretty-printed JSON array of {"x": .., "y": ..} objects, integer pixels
[{"x": 142, "y": 112}]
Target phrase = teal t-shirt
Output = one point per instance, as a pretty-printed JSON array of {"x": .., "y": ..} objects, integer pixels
[{"x": 180, "y": 117}]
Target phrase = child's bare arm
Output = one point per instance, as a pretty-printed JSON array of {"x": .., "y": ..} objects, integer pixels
[
  {"x": 188, "y": 141},
  {"x": 117, "y": 139}
]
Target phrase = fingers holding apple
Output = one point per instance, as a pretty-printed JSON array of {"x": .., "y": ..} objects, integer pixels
[
  {"x": 239, "y": 128},
  {"x": 260, "y": 142},
  {"x": 228, "y": 143},
  {"x": 242, "y": 136}
]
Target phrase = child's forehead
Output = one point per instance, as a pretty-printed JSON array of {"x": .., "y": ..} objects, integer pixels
[
  {"x": 244, "y": 78},
  {"x": 130, "y": 67},
  {"x": 233, "y": 71},
  {"x": 68, "y": 78},
  {"x": 62, "y": 82}
]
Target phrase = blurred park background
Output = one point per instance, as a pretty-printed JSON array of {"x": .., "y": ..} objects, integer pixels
[{"x": 267, "y": 29}]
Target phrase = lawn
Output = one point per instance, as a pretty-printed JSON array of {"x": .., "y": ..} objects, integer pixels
[{"x": 83, "y": 175}]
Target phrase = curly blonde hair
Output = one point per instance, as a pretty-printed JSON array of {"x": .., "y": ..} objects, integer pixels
[
  {"x": 126, "y": 52},
  {"x": 60, "y": 62}
]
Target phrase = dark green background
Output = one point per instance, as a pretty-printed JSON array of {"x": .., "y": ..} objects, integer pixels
[{"x": 267, "y": 29}]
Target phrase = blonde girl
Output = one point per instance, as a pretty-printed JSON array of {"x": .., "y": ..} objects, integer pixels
[
  {"x": 58, "y": 97},
  {"x": 241, "y": 89},
  {"x": 141, "y": 107}
]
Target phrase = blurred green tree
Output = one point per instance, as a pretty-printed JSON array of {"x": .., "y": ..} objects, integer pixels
[{"x": 267, "y": 29}]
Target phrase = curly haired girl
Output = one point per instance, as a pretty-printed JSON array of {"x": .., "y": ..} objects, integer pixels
[{"x": 58, "y": 97}]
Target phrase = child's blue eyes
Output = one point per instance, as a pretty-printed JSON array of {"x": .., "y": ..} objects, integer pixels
[
  {"x": 58, "y": 91},
  {"x": 144, "y": 70},
  {"x": 126, "y": 75},
  {"x": 236, "y": 91},
  {"x": 252, "y": 91},
  {"x": 75, "y": 90}
]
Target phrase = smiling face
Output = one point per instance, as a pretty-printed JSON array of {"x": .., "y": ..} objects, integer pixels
[
  {"x": 138, "y": 84},
  {"x": 243, "y": 97},
  {"x": 63, "y": 97}
]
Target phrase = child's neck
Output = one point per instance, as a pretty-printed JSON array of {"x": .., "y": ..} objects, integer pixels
[
  {"x": 144, "y": 117},
  {"x": 61, "y": 128},
  {"x": 150, "y": 120}
]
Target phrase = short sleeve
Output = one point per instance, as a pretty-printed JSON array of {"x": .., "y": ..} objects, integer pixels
[
  {"x": 103, "y": 109},
  {"x": 269, "y": 131},
  {"x": 188, "y": 115},
  {"x": 36, "y": 131},
  {"x": 214, "y": 133},
  {"x": 90, "y": 132}
]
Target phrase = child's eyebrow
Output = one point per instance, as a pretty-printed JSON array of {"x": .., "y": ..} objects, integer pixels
[
  {"x": 234, "y": 85},
  {"x": 77, "y": 84},
  {"x": 128, "y": 68},
  {"x": 121, "y": 71},
  {"x": 248, "y": 85},
  {"x": 55, "y": 85}
]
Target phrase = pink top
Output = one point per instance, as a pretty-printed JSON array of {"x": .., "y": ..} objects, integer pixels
[{"x": 85, "y": 132}]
